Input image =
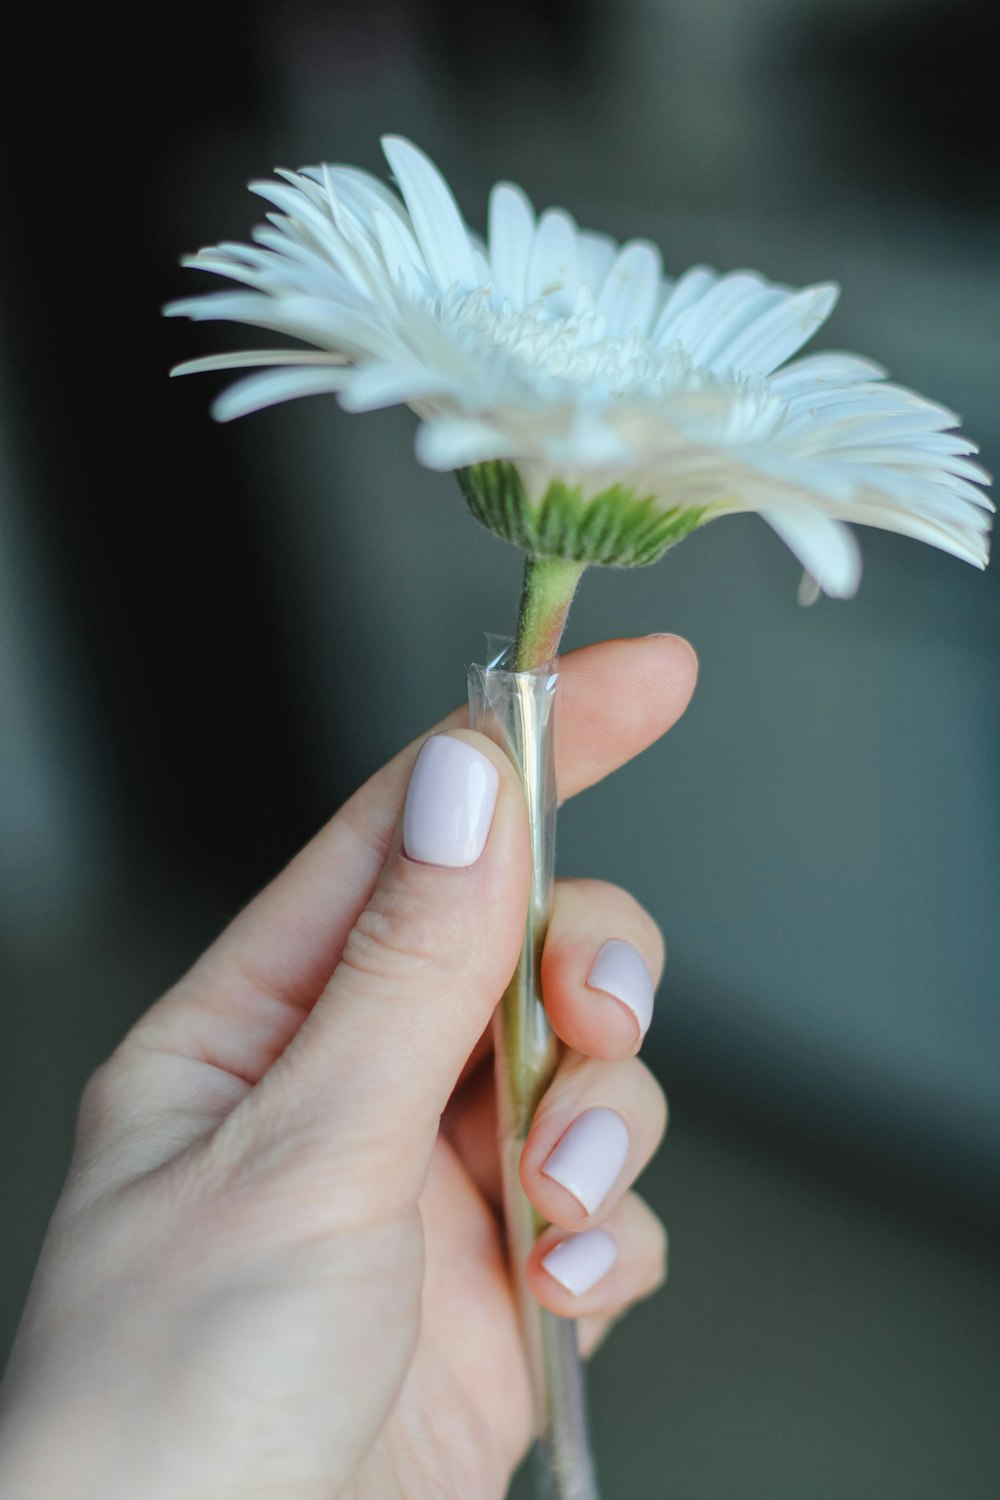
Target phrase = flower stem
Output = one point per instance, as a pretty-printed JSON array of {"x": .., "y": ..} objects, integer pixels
[
  {"x": 546, "y": 595},
  {"x": 520, "y": 703}
]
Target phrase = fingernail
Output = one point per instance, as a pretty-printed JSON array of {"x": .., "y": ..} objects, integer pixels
[
  {"x": 618, "y": 970},
  {"x": 589, "y": 1157},
  {"x": 579, "y": 1262},
  {"x": 449, "y": 806}
]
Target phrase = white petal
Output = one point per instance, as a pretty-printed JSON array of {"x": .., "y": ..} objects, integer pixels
[
  {"x": 596, "y": 255},
  {"x": 628, "y": 295},
  {"x": 511, "y": 231},
  {"x": 779, "y": 333},
  {"x": 222, "y": 265},
  {"x": 351, "y": 331},
  {"x": 230, "y": 251},
  {"x": 710, "y": 325},
  {"x": 258, "y": 391},
  {"x": 912, "y": 457},
  {"x": 736, "y": 316},
  {"x": 960, "y": 541},
  {"x": 250, "y": 358},
  {"x": 827, "y": 549},
  {"x": 305, "y": 215},
  {"x": 274, "y": 276},
  {"x": 552, "y": 266},
  {"x": 222, "y": 305},
  {"x": 871, "y": 405},
  {"x": 379, "y": 385},
  {"x": 354, "y": 331},
  {"x": 912, "y": 429},
  {"x": 290, "y": 256},
  {"x": 691, "y": 287},
  {"x": 436, "y": 220},
  {"x": 361, "y": 190},
  {"x": 590, "y": 443},
  {"x": 341, "y": 248},
  {"x": 452, "y": 442},
  {"x": 840, "y": 369},
  {"x": 403, "y": 257},
  {"x": 314, "y": 191}
]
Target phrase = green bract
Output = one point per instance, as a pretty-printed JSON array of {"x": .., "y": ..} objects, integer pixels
[{"x": 616, "y": 528}]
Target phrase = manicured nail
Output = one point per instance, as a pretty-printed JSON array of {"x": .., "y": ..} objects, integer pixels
[
  {"x": 579, "y": 1262},
  {"x": 589, "y": 1157},
  {"x": 449, "y": 806},
  {"x": 618, "y": 970}
]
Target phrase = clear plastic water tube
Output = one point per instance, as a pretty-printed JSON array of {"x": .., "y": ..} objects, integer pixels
[{"x": 517, "y": 711}]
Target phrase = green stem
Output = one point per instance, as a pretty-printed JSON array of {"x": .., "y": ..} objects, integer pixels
[
  {"x": 526, "y": 1047},
  {"x": 546, "y": 595}
]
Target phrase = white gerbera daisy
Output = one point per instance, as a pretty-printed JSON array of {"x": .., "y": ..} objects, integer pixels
[{"x": 596, "y": 410}]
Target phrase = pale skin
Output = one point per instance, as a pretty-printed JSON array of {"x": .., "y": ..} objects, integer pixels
[{"x": 276, "y": 1270}]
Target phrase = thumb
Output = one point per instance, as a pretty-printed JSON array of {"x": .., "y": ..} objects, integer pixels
[{"x": 422, "y": 970}]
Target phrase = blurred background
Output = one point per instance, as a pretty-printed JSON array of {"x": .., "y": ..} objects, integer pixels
[{"x": 209, "y": 636}]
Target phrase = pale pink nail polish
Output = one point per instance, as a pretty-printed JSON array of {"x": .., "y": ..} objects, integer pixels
[
  {"x": 589, "y": 1157},
  {"x": 619, "y": 970},
  {"x": 579, "y": 1262},
  {"x": 450, "y": 802}
]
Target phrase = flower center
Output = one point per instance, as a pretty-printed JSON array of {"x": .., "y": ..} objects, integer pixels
[{"x": 573, "y": 348}]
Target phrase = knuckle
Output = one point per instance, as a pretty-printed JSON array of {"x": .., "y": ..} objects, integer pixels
[
  {"x": 659, "y": 1260},
  {"x": 622, "y": 907},
  {"x": 639, "y": 914},
  {"x": 650, "y": 1098},
  {"x": 650, "y": 1249},
  {"x": 653, "y": 939},
  {"x": 103, "y": 1098},
  {"x": 662, "y": 1108},
  {"x": 393, "y": 936},
  {"x": 409, "y": 932},
  {"x": 657, "y": 941}
]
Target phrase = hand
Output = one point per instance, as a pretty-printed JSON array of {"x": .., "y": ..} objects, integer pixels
[{"x": 275, "y": 1272}]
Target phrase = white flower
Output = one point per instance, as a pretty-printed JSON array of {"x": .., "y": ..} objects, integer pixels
[{"x": 578, "y": 364}]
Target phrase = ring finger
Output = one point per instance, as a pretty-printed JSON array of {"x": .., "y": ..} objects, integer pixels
[{"x": 593, "y": 1133}]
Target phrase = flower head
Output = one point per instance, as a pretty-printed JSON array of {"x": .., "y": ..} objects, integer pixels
[{"x": 595, "y": 409}]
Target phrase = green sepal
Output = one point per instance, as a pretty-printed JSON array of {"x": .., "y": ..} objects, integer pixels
[{"x": 616, "y": 528}]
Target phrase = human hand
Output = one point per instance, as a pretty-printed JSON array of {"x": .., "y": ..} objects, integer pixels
[{"x": 276, "y": 1268}]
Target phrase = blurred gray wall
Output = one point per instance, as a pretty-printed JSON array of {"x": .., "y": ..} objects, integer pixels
[
  {"x": 818, "y": 836},
  {"x": 57, "y": 814}
]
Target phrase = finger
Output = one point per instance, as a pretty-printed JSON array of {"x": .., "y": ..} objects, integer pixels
[
  {"x": 603, "y": 956},
  {"x": 591, "y": 1020},
  {"x": 470, "y": 1123},
  {"x": 598, "y": 1273},
  {"x": 602, "y": 960},
  {"x": 247, "y": 996},
  {"x": 593, "y": 1133},
  {"x": 616, "y": 699},
  {"x": 377, "y": 1059}
]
